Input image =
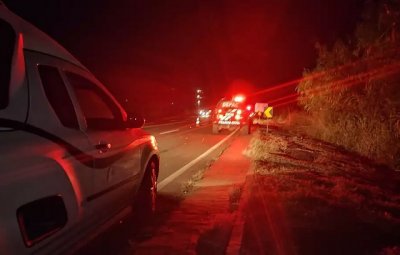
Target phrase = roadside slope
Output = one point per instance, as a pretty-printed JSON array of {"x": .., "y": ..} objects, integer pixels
[{"x": 309, "y": 197}]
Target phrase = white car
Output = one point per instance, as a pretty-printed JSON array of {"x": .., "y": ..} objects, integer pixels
[{"x": 72, "y": 162}]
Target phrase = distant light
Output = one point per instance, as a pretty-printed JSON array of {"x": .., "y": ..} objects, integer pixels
[
  {"x": 198, "y": 102},
  {"x": 239, "y": 98},
  {"x": 198, "y": 96},
  {"x": 199, "y": 91},
  {"x": 248, "y": 107}
]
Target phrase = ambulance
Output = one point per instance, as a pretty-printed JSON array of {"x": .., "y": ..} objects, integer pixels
[{"x": 231, "y": 114}]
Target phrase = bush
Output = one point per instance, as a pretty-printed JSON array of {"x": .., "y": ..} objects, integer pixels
[{"x": 352, "y": 97}]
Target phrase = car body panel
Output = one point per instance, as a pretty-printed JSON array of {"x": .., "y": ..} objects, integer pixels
[{"x": 41, "y": 157}]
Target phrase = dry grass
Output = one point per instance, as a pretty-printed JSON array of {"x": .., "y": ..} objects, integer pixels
[
  {"x": 369, "y": 137},
  {"x": 188, "y": 186},
  {"x": 262, "y": 145},
  {"x": 196, "y": 177},
  {"x": 332, "y": 202}
]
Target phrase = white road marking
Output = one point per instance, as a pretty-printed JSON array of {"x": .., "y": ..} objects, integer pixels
[
  {"x": 179, "y": 172},
  {"x": 191, "y": 129},
  {"x": 169, "y": 131},
  {"x": 165, "y": 124}
]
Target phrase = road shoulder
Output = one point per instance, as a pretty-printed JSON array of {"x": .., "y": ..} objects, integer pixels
[{"x": 204, "y": 220}]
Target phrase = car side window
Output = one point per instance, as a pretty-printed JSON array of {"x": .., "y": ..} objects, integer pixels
[
  {"x": 57, "y": 95},
  {"x": 7, "y": 44},
  {"x": 98, "y": 109}
]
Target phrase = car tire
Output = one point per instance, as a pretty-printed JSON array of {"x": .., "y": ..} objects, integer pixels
[
  {"x": 215, "y": 129},
  {"x": 146, "y": 201}
]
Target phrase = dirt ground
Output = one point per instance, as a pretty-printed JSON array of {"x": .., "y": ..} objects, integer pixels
[{"x": 309, "y": 197}]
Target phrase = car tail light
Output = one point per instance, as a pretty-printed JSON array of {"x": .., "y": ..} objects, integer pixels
[{"x": 238, "y": 115}]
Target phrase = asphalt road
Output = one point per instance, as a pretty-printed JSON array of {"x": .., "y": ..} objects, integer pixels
[{"x": 185, "y": 149}]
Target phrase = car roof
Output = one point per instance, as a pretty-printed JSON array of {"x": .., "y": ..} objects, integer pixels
[{"x": 36, "y": 40}]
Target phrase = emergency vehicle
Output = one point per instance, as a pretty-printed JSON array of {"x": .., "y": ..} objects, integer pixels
[{"x": 231, "y": 114}]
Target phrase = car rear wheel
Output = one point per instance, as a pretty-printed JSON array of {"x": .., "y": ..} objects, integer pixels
[{"x": 147, "y": 195}]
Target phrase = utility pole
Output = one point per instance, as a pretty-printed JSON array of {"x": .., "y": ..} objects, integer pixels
[{"x": 199, "y": 96}]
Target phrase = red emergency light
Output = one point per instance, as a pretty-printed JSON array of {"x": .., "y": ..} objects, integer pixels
[{"x": 239, "y": 98}]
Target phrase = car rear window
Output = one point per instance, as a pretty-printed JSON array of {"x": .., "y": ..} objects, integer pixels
[
  {"x": 99, "y": 110},
  {"x": 7, "y": 44},
  {"x": 58, "y": 96}
]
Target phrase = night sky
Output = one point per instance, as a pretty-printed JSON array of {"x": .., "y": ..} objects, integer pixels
[{"x": 167, "y": 48}]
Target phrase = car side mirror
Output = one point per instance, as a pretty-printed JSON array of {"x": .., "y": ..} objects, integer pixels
[{"x": 134, "y": 121}]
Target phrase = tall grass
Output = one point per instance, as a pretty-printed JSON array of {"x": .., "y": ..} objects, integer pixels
[
  {"x": 352, "y": 96},
  {"x": 375, "y": 138}
]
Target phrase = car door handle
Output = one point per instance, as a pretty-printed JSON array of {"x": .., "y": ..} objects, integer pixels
[{"x": 103, "y": 147}]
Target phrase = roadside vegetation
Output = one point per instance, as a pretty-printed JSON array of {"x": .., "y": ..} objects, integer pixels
[
  {"x": 352, "y": 96},
  {"x": 323, "y": 182},
  {"x": 311, "y": 197},
  {"x": 187, "y": 186}
]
